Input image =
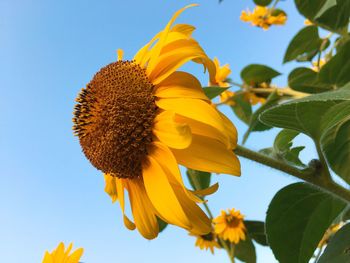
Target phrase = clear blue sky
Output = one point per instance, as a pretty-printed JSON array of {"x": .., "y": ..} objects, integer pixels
[{"x": 49, "y": 192}]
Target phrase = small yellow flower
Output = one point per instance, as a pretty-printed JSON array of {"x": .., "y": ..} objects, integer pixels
[
  {"x": 307, "y": 22},
  {"x": 222, "y": 73},
  {"x": 230, "y": 226},
  {"x": 60, "y": 255},
  {"x": 227, "y": 97},
  {"x": 317, "y": 66},
  {"x": 252, "y": 98},
  {"x": 263, "y": 17},
  {"x": 206, "y": 242},
  {"x": 138, "y": 120}
]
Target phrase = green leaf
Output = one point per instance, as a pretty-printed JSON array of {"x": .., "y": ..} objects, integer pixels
[
  {"x": 330, "y": 14},
  {"x": 292, "y": 156},
  {"x": 213, "y": 92},
  {"x": 283, "y": 141},
  {"x": 199, "y": 180},
  {"x": 335, "y": 141},
  {"x": 256, "y": 230},
  {"x": 305, "y": 115},
  {"x": 262, "y": 2},
  {"x": 338, "y": 250},
  {"x": 161, "y": 224},
  {"x": 340, "y": 42},
  {"x": 334, "y": 15},
  {"x": 242, "y": 108},
  {"x": 328, "y": 4},
  {"x": 282, "y": 149},
  {"x": 297, "y": 218},
  {"x": 255, "y": 124},
  {"x": 309, "y": 8},
  {"x": 256, "y": 73},
  {"x": 324, "y": 117},
  {"x": 306, "y": 41},
  {"x": 306, "y": 80},
  {"x": 337, "y": 70},
  {"x": 245, "y": 251}
]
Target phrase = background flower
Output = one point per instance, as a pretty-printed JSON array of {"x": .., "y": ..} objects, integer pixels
[{"x": 62, "y": 255}]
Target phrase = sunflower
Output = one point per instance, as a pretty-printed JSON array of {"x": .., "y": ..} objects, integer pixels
[
  {"x": 137, "y": 120},
  {"x": 207, "y": 241},
  {"x": 230, "y": 226},
  {"x": 264, "y": 17},
  {"x": 60, "y": 255}
]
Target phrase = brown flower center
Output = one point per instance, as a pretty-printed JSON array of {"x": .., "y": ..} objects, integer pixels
[
  {"x": 208, "y": 237},
  {"x": 232, "y": 221},
  {"x": 113, "y": 119}
]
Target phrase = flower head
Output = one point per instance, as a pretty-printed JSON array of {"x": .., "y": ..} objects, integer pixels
[
  {"x": 222, "y": 73},
  {"x": 264, "y": 17},
  {"x": 221, "y": 76},
  {"x": 252, "y": 98},
  {"x": 138, "y": 119},
  {"x": 207, "y": 241},
  {"x": 317, "y": 65},
  {"x": 60, "y": 255},
  {"x": 230, "y": 226},
  {"x": 307, "y": 22}
]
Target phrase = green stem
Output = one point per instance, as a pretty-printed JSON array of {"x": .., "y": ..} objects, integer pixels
[
  {"x": 324, "y": 167},
  {"x": 274, "y": 5},
  {"x": 235, "y": 84},
  {"x": 318, "y": 176},
  {"x": 228, "y": 250},
  {"x": 277, "y": 164},
  {"x": 208, "y": 210}
]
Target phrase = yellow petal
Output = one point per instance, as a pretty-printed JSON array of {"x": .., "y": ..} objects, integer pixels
[
  {"x": 175, "y": 55},
  {"x": 179, "y": 31},
  {"x": 142, "y": 209},
  {"x": 47, "y": 258},
  {"x": 120, "y": 54},
  {"x": 162, "y": 194},
  {"x": 198, "y": 110},
  {"x": 76, "y": 255},
  {"x": 170, "y": 132},
  {"x": 120, "y": 190},
  {"x": 207, "y": 191},
  {"x": 143, "y": 55},
  {"x": 162, "y": 39},
  {"x": 203, "y": 129},
  {"x": 201, "y": 224},
  {"x": 59, "y": 252},
  {"x": 111, "y": 187},
  {"x": 128, "y": 223},
  {"x": 180, "y": 85},
  {"x": 231, "y": 131},
  {"x": 205, "y": 154},
  {"x": 167, "y": 161},
  {"x": 184, "y": 29},
  {"x": 68, "y": 249}
]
